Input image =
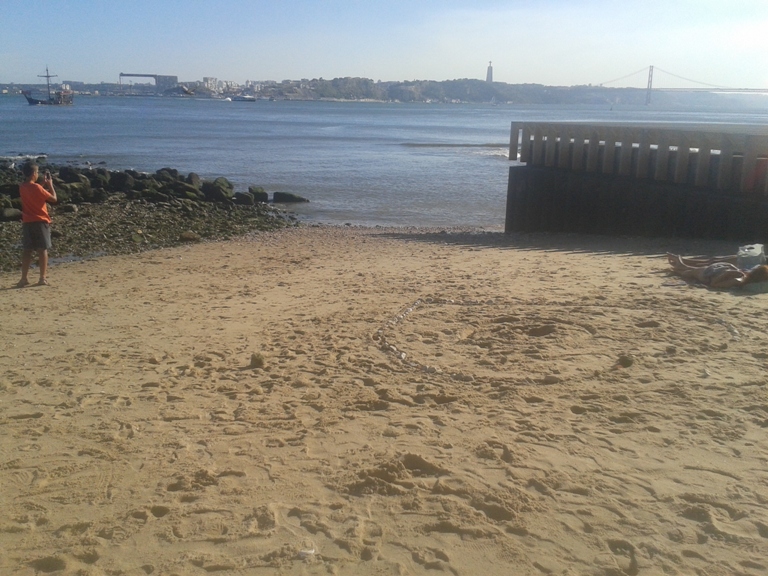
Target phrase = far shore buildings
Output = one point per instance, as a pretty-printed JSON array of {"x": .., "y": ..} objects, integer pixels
[{"x": 210, "y": 83}]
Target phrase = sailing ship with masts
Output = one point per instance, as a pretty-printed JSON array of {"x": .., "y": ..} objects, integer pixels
[{"x": 61, "y": 97}]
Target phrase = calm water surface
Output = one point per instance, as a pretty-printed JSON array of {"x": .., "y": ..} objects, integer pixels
[{"x": 364, "y": 163}]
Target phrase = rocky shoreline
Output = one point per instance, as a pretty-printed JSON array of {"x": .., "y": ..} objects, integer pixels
[{"x": 104, "y": 212}]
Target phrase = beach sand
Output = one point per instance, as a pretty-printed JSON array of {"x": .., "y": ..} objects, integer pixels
[{"x": 367, "y": 401}]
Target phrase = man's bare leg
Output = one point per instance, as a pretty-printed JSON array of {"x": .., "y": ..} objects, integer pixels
[
  {"x": 42, "y": 262},
  {"x": 696, "y": 262},
  {"x": 678, "y": 264},
  {"x": 26, "y": 262}
]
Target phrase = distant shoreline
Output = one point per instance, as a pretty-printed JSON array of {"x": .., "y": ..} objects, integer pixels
[{"x": 457, "y": 91}]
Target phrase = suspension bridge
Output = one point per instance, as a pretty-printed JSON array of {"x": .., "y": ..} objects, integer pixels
[{"x": 700, "y": 86}]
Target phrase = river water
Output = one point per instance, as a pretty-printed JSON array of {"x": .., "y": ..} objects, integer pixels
[{"x": 361, "y": 163}]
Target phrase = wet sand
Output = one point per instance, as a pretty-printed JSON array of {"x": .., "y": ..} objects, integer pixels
[{"x": 370, "y": 401}]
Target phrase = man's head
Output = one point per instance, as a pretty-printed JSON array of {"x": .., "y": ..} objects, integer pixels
[{"x": 30, "y": 169}]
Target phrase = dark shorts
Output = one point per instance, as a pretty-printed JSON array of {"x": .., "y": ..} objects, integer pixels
[
  {"x": 712, "y": 271},
  {"x": 36, "y": 236}
]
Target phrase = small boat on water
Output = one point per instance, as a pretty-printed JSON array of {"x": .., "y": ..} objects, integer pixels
[
  {"x": 61, "y": 97},
  {"x": 244, "y": 98}
]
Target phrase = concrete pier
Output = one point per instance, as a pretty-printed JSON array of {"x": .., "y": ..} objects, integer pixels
[{"x": 706, "y": 181}]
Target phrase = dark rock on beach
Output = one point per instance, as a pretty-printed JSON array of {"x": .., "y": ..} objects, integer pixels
[
  {"x": 287, "y": 197},
  {"x": 244, "y": 199},
  {"x": 117, "y": 212},
  {"x": 11, "y": 214},
  {"x": 9, "y": 190},
  {"x": 189, "y": 236},
  {"x": 121, "y": 181},
  {"x": 70, "y": 175},
  {"x": 167, "y": 175},
  {"x": 220, "y": 190},
  {"x": 194, "y": 180},
  {"x": 258, "y": 193}
]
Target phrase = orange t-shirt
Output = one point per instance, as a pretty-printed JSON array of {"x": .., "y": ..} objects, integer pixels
[{"x": 34, "y": 198}]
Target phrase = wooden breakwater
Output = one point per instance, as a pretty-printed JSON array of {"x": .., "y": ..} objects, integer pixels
[{"x": 689, "y": 180}]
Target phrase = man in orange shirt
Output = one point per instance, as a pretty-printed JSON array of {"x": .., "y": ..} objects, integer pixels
[{"x": 35, "y": 221}]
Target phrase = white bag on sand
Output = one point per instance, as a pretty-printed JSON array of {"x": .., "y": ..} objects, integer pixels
[{"x": 750, "y": 256}]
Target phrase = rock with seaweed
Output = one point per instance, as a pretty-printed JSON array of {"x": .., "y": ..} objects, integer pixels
[
  {"x": 118, "y": 212},
  {"x": 287, "y": 198}
]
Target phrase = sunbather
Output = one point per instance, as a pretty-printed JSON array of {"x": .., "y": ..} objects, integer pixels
[
  {"x": 719, "y": 274},
  {"x": 701, "y": 261}
]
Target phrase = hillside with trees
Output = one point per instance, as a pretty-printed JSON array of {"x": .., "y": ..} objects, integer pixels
[{"x": 479, "y": 91}]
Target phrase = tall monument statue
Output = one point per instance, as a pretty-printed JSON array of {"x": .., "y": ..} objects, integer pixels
[{"x": 489, "y": 74}]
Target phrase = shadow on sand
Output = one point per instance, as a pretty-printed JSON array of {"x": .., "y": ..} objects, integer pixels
[{"x": 575, "y": 243}]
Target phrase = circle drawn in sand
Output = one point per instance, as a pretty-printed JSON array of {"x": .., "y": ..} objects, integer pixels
[{"x": 471, "y": 340}]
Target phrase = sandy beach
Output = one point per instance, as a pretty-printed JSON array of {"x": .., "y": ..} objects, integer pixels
[{"x": 357, "y": 401}]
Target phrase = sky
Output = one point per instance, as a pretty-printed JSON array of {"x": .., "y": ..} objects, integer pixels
[{"x": 554, "y": 42}]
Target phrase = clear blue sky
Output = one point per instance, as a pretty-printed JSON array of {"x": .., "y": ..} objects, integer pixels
[{"x": 560, "y": 42}]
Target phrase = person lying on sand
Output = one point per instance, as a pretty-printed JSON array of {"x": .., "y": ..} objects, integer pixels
[
  {"x": 701, "y": 261},
  {"x": 718, "y": 274}
]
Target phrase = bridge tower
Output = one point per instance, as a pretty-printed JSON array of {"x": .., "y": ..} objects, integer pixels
[{"x": 650, "y": 86}]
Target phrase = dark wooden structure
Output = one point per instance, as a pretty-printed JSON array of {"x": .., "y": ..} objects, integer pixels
[{"x": 703, "y": 181}]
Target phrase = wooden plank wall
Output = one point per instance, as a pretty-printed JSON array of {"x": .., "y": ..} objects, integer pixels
[
  {"x": 727, "y": 161},
  {"x": 649, "y": 180}
]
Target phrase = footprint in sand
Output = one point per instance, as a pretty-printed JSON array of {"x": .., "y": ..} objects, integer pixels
[{"x": 48, "y": 564}]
